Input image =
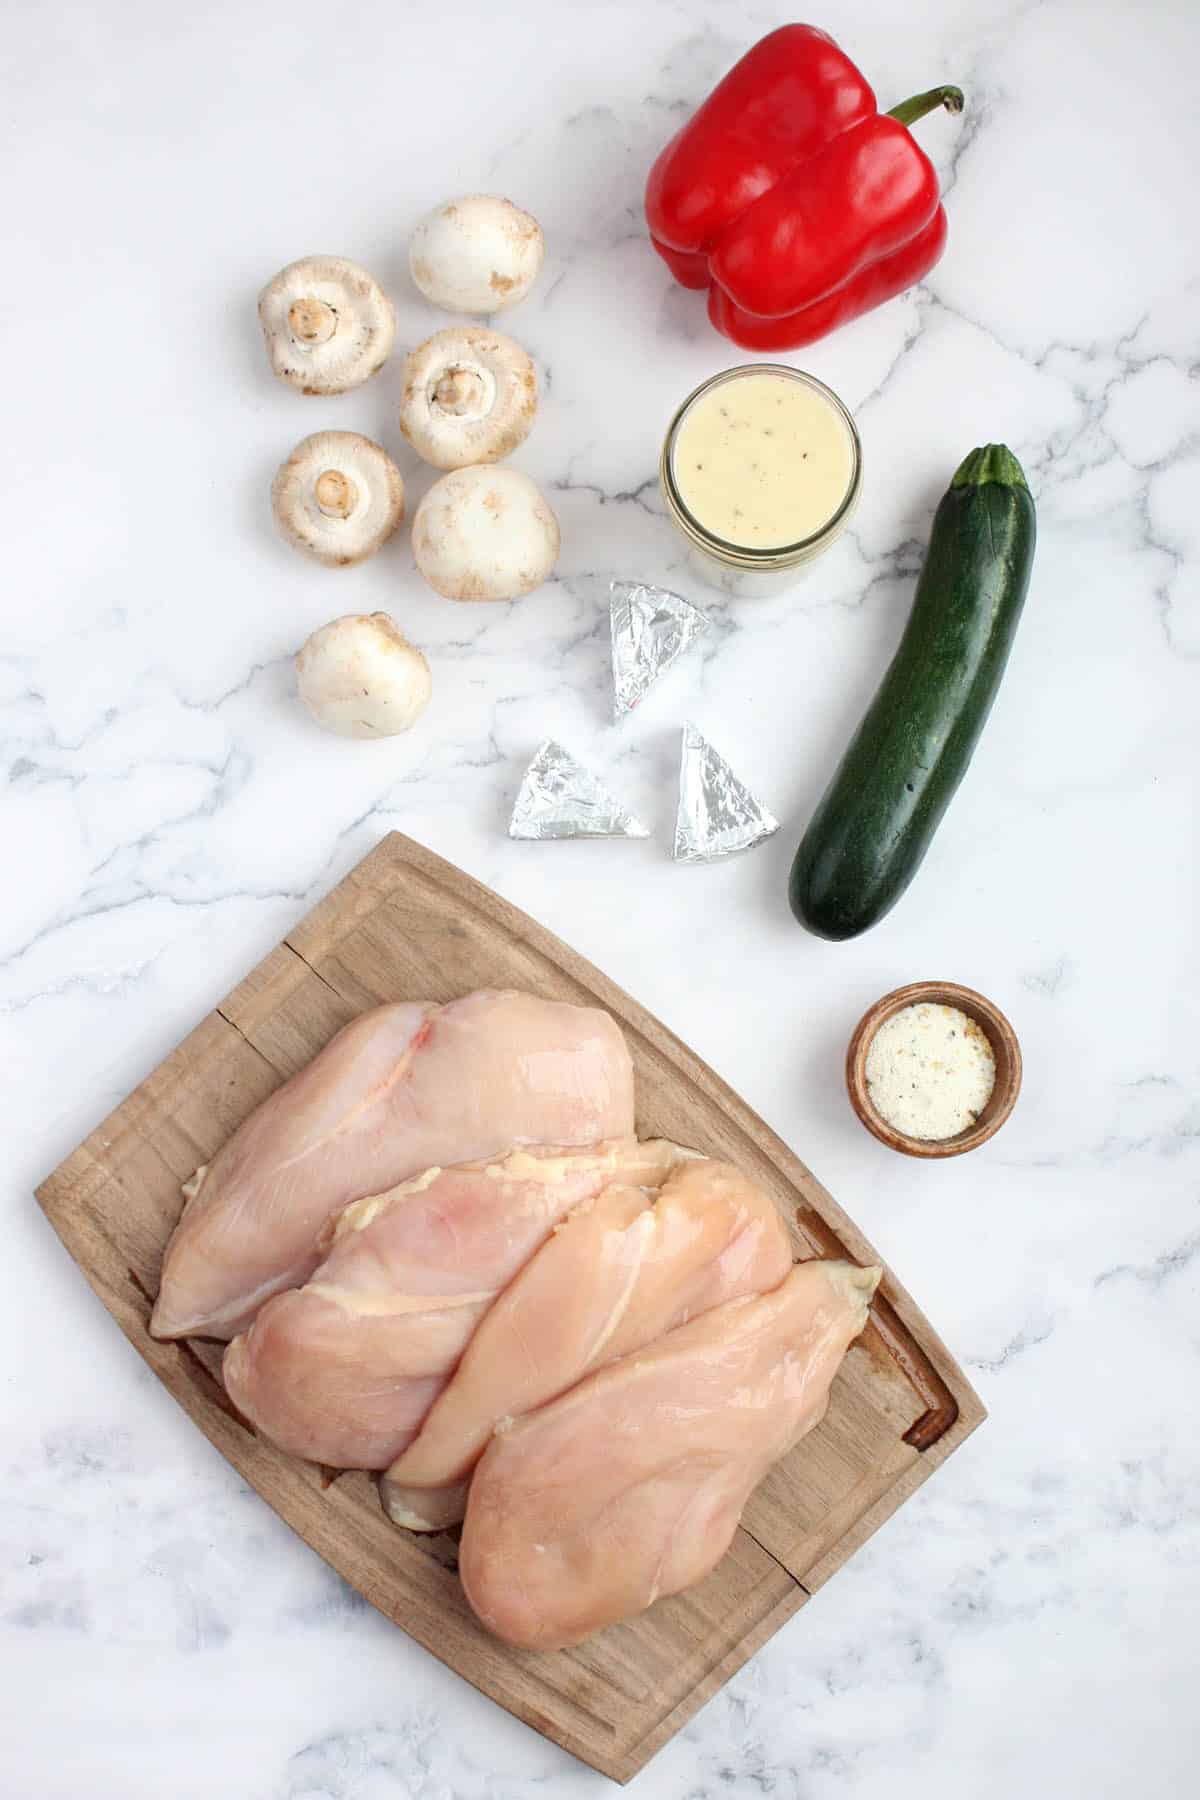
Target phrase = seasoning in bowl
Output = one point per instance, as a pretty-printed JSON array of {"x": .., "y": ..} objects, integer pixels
[
  {"x": 933, "y": 1069},
  {"x": 930, "y": 1071}
]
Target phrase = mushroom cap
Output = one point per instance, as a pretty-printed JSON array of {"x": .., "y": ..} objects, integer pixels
[
  {"x": 360, "y": 676},
  {"x": 485, "y": 534},
  {"x": 328, "y": 324},
  {"x": 476, "y": 254},
  {"x": 338, "y": 497},
  {"x": 470, "y": 396}
]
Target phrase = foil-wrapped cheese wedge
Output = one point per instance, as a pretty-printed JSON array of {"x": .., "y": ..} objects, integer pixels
[
  {"x": 651, "y": 629},
  {"x": 560, "y": 798},
  {"x": 717, "y": 813}
]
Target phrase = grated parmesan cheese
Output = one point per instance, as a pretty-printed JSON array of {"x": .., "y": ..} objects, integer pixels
[{"x": 930, "y": 1071}]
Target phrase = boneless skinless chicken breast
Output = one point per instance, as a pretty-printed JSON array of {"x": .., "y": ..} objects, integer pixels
[
  {"x": 344, "y": 1369},
  {"x": 631, "y": 1485},
  {"x": 401, "y": 1089},
  {"x": 616, "y": 1273}
]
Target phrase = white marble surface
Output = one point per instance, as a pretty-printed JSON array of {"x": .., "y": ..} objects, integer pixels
[{"x": 1027, "y": 1624}]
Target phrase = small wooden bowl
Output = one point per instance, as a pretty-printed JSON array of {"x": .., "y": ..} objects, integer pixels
[{"x": 1005, "y": 1049}]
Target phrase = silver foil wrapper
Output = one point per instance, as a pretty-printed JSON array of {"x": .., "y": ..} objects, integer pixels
[
  {"x": 651, "y": 628},
  {"x": 717, "y": 813},
  {"x": 559, "y": 798}
]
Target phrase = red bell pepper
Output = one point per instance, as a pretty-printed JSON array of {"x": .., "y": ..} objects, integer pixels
[{"x": 792, "y": 198}]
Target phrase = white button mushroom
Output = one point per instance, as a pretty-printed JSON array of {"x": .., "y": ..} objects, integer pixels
[
  {"x": 469, "y": 396},
  {"x": 338, "y": 497},
  {"x": 328, "y": 324},
  {"x": 477, "y": 254},
  {"x": 485, "y": 534},
  {"x": 360, "y": 676}
]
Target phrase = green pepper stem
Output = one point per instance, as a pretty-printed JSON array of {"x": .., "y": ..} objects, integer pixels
[{"x": 909, "y": 111}]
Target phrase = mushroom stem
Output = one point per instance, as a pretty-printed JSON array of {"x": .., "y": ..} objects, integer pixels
[
  {"x": 336, "y": 494},
  {"x": 311, "y": 321},
  {"x": 461, "y": 390}
]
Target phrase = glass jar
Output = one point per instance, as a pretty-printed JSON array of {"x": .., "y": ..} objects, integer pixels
[{"x": 743, "y": 570}]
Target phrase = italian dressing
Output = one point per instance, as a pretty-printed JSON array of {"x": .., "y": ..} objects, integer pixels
[{"x": 763, "y": 461}]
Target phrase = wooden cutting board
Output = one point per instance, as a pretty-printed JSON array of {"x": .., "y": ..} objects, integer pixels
[{"x": 405, "y": 925}]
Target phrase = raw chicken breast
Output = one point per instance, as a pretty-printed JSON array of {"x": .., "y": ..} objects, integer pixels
[
  {"x": 343, "y": 1371},
  {"x": 398, "y": 1090},
  {"x": 631, "y": 1485},
  {"x": 616, "y": 1273}
]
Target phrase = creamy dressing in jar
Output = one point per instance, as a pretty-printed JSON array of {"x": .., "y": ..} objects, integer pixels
[
  {"x": 763, "y": 461},
  {"x": 760, "y": 471}
]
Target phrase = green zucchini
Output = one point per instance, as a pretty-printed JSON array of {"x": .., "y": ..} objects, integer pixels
[{"x": 866, "y": 839}]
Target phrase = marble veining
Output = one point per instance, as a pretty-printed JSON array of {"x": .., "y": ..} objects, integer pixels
[{"x": 1027, "y": 1623}]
